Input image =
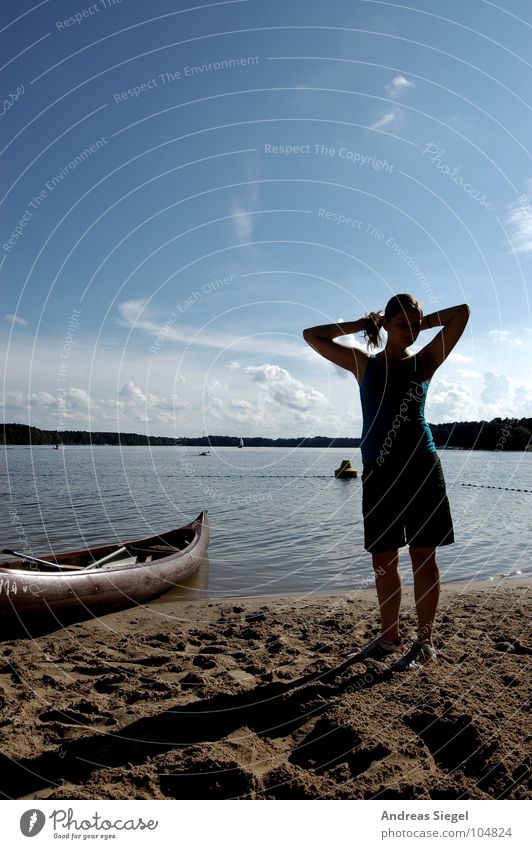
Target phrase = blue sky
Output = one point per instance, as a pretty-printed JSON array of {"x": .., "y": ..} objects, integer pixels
[{"x": 186, "y": 186}]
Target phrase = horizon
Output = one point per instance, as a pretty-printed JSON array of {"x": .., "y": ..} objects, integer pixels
[{"x": 237, "y": 437}]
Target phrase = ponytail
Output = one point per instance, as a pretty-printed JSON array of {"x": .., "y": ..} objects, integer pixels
[{"x": 372, "y": 329}]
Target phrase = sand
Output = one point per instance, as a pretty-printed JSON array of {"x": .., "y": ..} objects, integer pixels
[{"x": 249, "y": 699}]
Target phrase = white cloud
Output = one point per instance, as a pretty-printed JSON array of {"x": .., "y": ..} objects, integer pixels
[
  {"x": 77, "y": 398},
  {"x": 244, "y": 223},
  {"x": 496, "y": 387},
  {"x": 147, "y": 407},
  {"x": 518, "y": 223},
  {"x": 507, "y": 336},
  {"x": 16, "y": 400},
  {"x": 522, "y": 402},
  {"x": 398, "y": 85},
  {"x": 455, "y": 357},
  {"x": 223, "y": 407},
  {"x": 273, "y": 403},
  {"x": 74, "y": 406},
  {"x": 449, "y": 401},
  {"x": 284, "y": 389},
  {"x": 467, "y": 372},
  {"x": 395, "y": 88},
  {"x": 452, "y": 401},
  {"x": 131, "y": 311},
  {"x": 16, "y": 319},
  {"x": 385, "y": 120}
]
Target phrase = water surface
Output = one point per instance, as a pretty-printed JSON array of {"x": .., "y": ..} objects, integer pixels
[{"x": 280, "y": 522}]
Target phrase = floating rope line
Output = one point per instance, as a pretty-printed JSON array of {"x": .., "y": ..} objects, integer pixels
[
  {"x": 491, "y": 486},
  {"x": 295, "y": 477},
  {"x": 331, "y": 477}
]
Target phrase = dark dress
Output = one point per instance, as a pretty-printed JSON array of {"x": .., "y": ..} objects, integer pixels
[{"x": 404, "y": 498}]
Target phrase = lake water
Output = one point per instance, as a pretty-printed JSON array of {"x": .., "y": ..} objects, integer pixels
[{"x": 280, "y": 522}]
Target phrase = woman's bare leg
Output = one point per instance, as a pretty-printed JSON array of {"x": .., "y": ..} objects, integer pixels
[
  {"x": 388, "y": 584},
  {"x": 426, "y": 588}
]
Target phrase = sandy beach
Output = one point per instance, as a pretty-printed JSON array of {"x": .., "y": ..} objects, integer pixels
[{"x": 252, "y": 699}]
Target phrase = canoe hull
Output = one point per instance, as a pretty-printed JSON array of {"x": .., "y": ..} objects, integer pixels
[{"x": 29, "y": 594}]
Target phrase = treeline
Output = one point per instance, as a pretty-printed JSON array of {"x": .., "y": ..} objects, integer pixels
[
  {"x": 19, "y": 434},
  {"x": 496, "y": 435},
  {"x": 264, "y": 442}
]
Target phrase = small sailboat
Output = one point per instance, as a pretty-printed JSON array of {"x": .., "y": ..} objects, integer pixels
[{"x": 241, "y": 443}]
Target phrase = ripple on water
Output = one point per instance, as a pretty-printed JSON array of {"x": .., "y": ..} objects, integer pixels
[{"x": 280, "y": 522}]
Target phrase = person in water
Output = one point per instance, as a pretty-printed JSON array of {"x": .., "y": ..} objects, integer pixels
[{"x": 404, "y": 499}]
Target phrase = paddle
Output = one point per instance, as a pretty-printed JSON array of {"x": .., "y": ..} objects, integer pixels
[
  {"x": 95, "y": 565},
  {"x": 30, "y": 558},
  {"x": 98, "y": 563}
]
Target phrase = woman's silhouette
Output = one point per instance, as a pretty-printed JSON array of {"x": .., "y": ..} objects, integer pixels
[{"x": 404, "y": 499}]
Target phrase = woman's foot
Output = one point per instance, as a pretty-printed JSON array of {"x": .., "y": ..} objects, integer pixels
[
  {"x": 378, "y": 649},
  {"x": 420, "y": 654}
]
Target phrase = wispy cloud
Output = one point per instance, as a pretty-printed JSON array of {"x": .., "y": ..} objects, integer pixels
[
  {"x": 398, "y": 86},
  {"x": 243, "y": 208},
  {"x": 518, "y": 223},
  {"x": 16, "y": 319},
  {"x": 172, "y": 329},
  {"x": 507, "y": 336},
  {"x": 131, "y": 311},
  {"x": 385, "y": 120},
  {"x": 459, "y": 358},
  {"x": 244, "y": 223},
  {"x": 468, "y": 372}
]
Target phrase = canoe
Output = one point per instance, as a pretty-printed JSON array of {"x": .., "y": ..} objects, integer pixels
[{"x": 130, "y": 573}]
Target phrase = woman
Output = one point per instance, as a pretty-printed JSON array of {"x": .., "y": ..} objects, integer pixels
[{"x": 404, "y": 500}]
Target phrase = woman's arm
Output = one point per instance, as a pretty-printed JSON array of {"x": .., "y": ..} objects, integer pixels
[
  {"x": 436, "y": 319},
  {"x": 331, "y": 331},
  {"x": 454, "y": 320},
  {"x": 321, "y": 339}
]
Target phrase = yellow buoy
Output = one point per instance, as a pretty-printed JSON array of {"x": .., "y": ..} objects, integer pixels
[{"x": 346, "y": 470}]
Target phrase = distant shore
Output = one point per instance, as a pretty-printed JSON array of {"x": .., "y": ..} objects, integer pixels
[{"x": 496, "y": 435}]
